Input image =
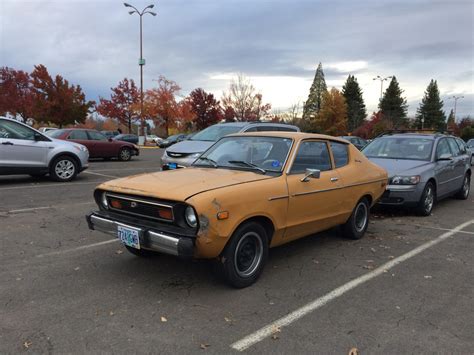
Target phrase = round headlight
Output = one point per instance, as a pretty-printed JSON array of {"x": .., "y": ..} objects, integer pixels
[
  {"x": 103, "y": 200},
  {"x": 190, "y": 216}
]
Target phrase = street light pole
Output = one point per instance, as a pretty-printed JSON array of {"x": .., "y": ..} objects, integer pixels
[
  {"x": 456, "y": 98},
  {"x": 141, "y": 61},
  {"x": 378, "y": 77}
]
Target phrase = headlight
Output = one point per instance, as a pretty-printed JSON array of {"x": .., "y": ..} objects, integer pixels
[
  {"x": 405, "y": 180},
  {"x": 103, "y": 200},
  {"x": 190, "y": 216},
  {"x": 80, "y": 148}
]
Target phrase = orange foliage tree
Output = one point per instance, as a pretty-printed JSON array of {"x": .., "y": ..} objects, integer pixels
[
  {"x": 16, "y": 93},
  {"x": 332, "y": 118}
]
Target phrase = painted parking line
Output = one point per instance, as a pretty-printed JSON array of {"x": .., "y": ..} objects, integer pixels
[
  {"x": 99, "y": 174},
  {"x": 67, "y": 251},
  {"x": 34, "y": 209},
  {"x": 59, "y": 184},
  {"x": 288, "y": 319},
  {"x": 439, "y": 228}
]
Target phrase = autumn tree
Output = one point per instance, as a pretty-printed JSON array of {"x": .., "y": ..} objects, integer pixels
[
  {"x": 56, "y": 101},
  {"x": 356, "y": 112},
  {"x": 244, "y": 100},
  {"x": 206, "y": 108},
  {"x": 122, "y": 105},
  {"x": 332, "y": 118},
  {"x": 373, "y": 127},
  {"x": 16, "y": 93},
  {"x": 393, "y": 106},
  {"x": 161, "y": 105},
  {"x": 431, "y": 108},
  {"x": 313, "y": 104}
]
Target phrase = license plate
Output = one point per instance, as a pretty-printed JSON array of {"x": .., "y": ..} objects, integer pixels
[
  {"x": 172, "y": 165},
  {"x": 129, "y": 237}
]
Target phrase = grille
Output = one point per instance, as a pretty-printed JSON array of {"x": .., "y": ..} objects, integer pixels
[
  {"x": 177, "y": 155},
  {"x": 137, "y": 207}
]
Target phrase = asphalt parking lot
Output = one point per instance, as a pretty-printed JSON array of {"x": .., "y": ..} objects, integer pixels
[{"x": 406, "y": 287}]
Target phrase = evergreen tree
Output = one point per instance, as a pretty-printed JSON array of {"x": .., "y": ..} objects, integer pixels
[
  {"x": 451, "y": 120},
  {"x": 431, "y": 108},
  {"x": 312, "y": 106},
  {"x": 355, "y": 103},
  {"x": 394, "y": 106}
]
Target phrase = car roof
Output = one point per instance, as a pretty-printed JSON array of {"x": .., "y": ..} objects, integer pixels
[
  {"x": 251, "y": 123},
  {"x": 292, "y": 135}
]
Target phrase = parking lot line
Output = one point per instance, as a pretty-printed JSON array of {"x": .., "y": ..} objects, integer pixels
[
  {"x": 269, "y": 329},
  {"x": 88, "y": 246},
  {"x": 99, "y": 174},
  {"x": 439, "y": 228},
  {"x": 33, "y": 209},
  {"x": 59, "y": 184}
]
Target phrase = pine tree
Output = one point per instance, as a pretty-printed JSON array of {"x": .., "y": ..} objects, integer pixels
[
  {"x": 431, "y": 109},
  {"x": 355, "y": 103},
  {"x": 312, "y": 106},
  {"x": 451, "y": 120},
  {"x": 394, "y": 106}
]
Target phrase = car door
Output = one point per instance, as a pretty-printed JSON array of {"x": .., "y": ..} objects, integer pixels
[
  {"x": 314, "y": 203},
  {"x": 102, "y": 147},
  {"x": 459, "y": 165},
  {"x": 19, "y": 147},
  {"x": 444, "y": 169}
]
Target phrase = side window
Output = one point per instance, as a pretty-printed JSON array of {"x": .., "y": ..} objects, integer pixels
[
  {"x": 454, "y": 147},
  {"x": 442, "y": 148},
  {"x": 15, "y": 130},
  {"x": 340, "y": 154},
  {"x": 96, "y": 136},
  {"x": 252, "y": 129},
  {"x": 462, "y": 146},
  {"x": 78, "y": 134},
  {"x": 311, "y": 155}
]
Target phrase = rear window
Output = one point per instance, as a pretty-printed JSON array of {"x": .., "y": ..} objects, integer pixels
[
  {"x": 55, "y": 133},
  {"x": 80, "y": 135}
]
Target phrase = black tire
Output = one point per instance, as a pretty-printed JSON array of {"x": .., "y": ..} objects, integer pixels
[
  {"x": 427, "y": 200},
  {"x": 144, "y": 253},
  {"x": 63, "y": 169},
  {"x": 125, "y": 154},
  {"x": 244, "y": 256},
  {"x": 463, "y": 194},
  {"x": 358, "y": 222}
]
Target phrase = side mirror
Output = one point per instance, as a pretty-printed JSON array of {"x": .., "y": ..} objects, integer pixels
[
  {"x": 445, "y": 156},
  {"x": 38, "y": 137},
  {"x": 311, "y": 173}
]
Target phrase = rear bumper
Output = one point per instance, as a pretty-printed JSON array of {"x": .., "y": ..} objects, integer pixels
[{"x": 150, "y": 239}]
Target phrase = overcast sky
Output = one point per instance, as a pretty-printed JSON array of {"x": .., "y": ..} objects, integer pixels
[{"x": 277, "y": 43}]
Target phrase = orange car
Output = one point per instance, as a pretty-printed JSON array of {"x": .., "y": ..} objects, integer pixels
[{"x": 245, "y": 194}]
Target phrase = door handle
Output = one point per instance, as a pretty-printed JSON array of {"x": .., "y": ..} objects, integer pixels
[
  {"x": 7, "y": 143},
  {"x": 334, "y": 179}
]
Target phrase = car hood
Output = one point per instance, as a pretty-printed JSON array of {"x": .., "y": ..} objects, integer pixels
[
  {"x": 180, "y": 184},
  {"x": 401, "y": 166},
  {"x": 189, "y": 147}
]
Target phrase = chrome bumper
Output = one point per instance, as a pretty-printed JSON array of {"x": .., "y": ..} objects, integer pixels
[{"x": 149, "y": 239}]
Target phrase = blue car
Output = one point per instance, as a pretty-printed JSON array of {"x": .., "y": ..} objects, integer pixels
[{"x": 422, "y": 168}]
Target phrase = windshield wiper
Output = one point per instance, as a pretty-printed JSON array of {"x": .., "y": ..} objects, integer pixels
[
  {"x": 213, "y": 163},
  {"x": 246, "y": 163}
]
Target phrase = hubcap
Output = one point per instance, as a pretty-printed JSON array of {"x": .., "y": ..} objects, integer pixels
[
  {"x": 125, "y": 154},
  {"x": 361, "y": 217},
  {"x": 248, "y": 254},
  {"x": 429, "y": 199},
  {"x": 65, "y": 169},
  {"x": 466, "y": 186}
]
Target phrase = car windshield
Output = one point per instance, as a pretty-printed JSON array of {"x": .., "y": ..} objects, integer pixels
[
  {"x": 250, "y": 153},
  {"x": 216, "y": 132},
  {"x": 409, "y": 148},
  {"x": 55, "y": 133}
]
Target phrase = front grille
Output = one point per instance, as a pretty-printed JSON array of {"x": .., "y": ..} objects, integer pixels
[
  {"x": 138, "y": 207},
  {"x": 177, "y": 155}
]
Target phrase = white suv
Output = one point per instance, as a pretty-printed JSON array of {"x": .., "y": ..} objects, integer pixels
[{"x": 24, "y": 150}]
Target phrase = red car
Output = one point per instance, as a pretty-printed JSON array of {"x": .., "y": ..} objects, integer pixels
[{"x": 99, "y": 146}]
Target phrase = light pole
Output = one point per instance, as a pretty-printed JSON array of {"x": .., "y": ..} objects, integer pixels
[
  {"x": 141, "y": 61},
  {"x": 378, "y": 77},
  {"x": 456, "y": 98}
]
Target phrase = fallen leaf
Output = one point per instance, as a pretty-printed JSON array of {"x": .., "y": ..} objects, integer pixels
[
  {"x": 76, "y": 268},
  {"x": 353, "y": 351},
  {"x": 119, "y": 252},
  {"x": 368, "y": 267},
  {"x": 275, "y": 337},
  {"x": 228, "y": 320},
  {"x": 27, "y": 344},
  {"x": 18, "y": 278},
  {"x": 372, "y": 250},
  {"x": 204, "y": 346},
  {"x": 271, "y": 303},
  {"x": 163, "y": 319},
  {"x": 276, "y": 329},
  {"x": 428, "y": 277},
  {"x": 111, "y": 313}
]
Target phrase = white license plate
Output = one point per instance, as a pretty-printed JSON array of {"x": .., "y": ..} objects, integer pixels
[{"x": 129, "y": 237}]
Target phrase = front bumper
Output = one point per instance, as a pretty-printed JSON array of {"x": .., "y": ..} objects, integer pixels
[
  {"x": 398, "y": 195},
  {"x": 179, "y": 162},
  {"x": 150, "y": 238}
]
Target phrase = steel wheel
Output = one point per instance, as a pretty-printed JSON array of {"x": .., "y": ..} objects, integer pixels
[
  {"x": 248, "y": 254},
  {"x": 361, "y": 214},
  {"x": 65, "y": 169},
  {"x": 463, "y": 194},
  {"x": 429, "y": 199}
]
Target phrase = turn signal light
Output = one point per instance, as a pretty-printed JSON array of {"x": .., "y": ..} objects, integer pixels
[
  {"x": 223, "y": 215},
  {"x": 116, "y": 204}
]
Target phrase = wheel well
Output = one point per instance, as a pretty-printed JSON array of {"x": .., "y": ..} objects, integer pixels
[
  {"x": 369, "y": 198},
  {"x": 70, "y": 155},
  {"x": 266, "y": 223},
  {"x": 433, "y": 181}
]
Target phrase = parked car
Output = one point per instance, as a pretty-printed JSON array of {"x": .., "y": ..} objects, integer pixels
[
  {"x": 110, "y": 134},
  {"x": 99, "y": 145},
  {"x": 470, "y": 145},
  {"x": 24, "y": 150},
  {"x": 151, "y": 138},
  {"x": 131, "y": 138},
  {"x": 171, "y": 140},
  {"x": 185, "y": 153},
  {"x": 245, "y": 194},
  {"x": 422, "y": 168},
  {"x": 46, "y": 129},
  {"x": 360, "y": 143}
]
